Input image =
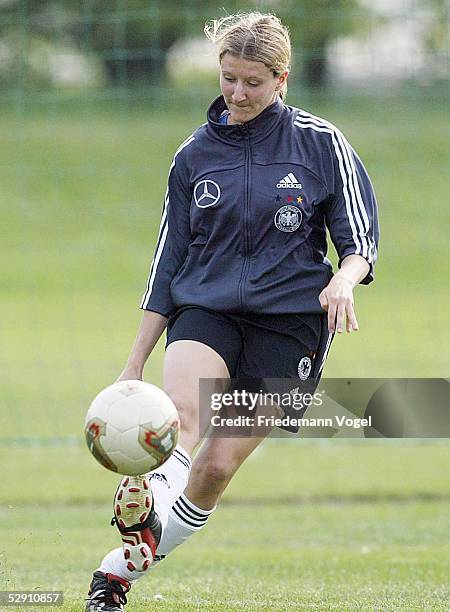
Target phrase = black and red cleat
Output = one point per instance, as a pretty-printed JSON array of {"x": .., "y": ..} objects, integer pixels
[
  {"x": 138, "y": 523},
  {"x": 107, "y": 593}
]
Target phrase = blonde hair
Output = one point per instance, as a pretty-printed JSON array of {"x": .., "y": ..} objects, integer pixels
[{"x": 255, "y": 37}]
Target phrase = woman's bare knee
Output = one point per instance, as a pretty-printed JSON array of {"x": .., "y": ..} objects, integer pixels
[
  {"x": 187, "y": 411},
  {"x": 215, "y": 465},
  {"x": 207, "y": 482}
]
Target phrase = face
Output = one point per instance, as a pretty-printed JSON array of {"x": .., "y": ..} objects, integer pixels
[{"x": 248, "y": 87}]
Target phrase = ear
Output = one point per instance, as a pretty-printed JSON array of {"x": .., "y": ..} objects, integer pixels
[{"x": 281, "y": 80}]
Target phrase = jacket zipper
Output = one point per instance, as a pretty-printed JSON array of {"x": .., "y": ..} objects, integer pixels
[{"x": 247, "y": 246}]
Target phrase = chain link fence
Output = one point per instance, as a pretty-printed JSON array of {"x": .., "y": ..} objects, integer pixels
[{"x": 156, "y": 50}]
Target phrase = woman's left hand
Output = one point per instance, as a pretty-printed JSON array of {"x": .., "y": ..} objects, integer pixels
[
  {"x": 337, "y": 300},
  {"x": 337, "y": 297}
]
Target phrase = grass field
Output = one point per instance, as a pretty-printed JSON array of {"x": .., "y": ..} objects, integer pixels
[
  {"x": 325, "y": 526},
  {"x": 317, "y": 526}
]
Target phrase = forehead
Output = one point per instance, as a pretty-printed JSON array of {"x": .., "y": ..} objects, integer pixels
[{"x": 244, "y": 67}]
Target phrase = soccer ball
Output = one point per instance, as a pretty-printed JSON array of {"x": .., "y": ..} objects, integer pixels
[{"x": 131, "y": 427}]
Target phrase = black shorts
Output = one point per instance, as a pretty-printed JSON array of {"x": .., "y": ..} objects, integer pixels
[{"x": 256, "y": 347}]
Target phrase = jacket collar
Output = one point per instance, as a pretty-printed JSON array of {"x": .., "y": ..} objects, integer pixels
[{"x": 257, "y": 128}]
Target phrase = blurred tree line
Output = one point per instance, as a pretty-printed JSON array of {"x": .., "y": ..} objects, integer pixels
[{"x": 131, "y": 38}]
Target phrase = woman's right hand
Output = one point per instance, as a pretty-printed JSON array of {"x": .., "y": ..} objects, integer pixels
[
  {"x": 130, "y": 373},
  {"x": 151, "y": 327}
]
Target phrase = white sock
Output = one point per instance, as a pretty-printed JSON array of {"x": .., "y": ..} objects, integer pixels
[
  {"x": 185, "y": 519},
  {"x": 167, "y": 482}
]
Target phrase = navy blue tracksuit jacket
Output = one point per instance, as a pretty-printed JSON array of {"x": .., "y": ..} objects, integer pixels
[{"x": 246, "y": 210}]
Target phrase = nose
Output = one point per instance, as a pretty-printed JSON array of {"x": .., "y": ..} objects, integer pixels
[{"x": 238, "y": 94}]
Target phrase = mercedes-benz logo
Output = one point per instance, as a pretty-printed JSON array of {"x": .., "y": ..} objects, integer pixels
[{"x": 206, "y": 193}]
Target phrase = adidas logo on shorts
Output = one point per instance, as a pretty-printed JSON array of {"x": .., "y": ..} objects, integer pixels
[{"x": 289, "y": 182}]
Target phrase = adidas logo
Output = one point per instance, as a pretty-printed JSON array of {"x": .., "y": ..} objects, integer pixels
[
  {"x": 289, "y": 182},
  {"x": 160, "y": 477}
]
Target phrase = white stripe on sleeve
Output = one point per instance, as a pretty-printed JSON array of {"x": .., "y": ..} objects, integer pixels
[
  {"x": 356, "y": 212},
  {"x": 162, "y": 235}
]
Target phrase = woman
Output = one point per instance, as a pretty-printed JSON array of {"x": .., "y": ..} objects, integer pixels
[{"x": 241, "y": 280}]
